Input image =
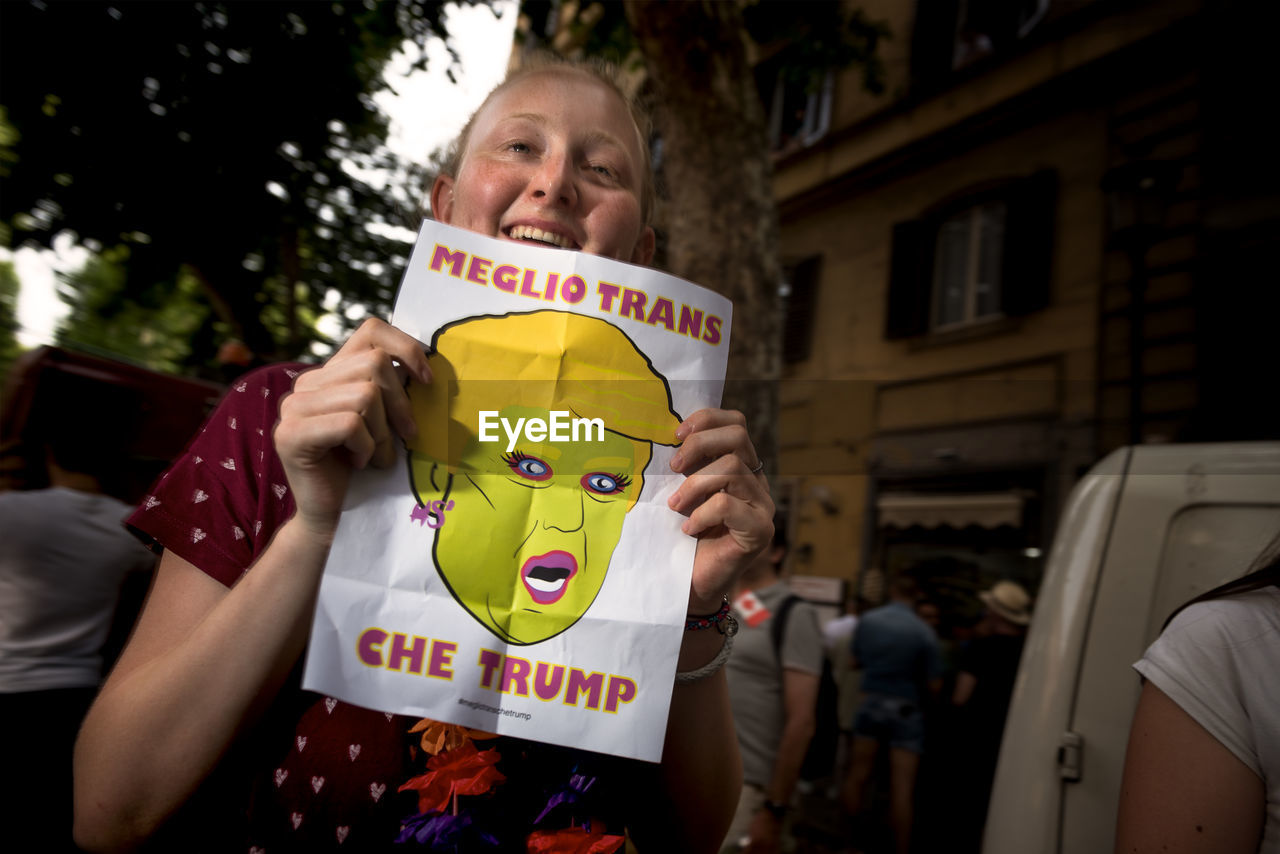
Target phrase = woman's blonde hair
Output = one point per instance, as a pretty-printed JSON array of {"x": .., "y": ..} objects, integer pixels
[{"x": 597, "y": 69}]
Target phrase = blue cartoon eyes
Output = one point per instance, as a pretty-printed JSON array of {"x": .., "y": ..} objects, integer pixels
[
  {"x": 527, "y": 466},
  {"x": 598, "y": 483},
  {"x": 602, "y": 484}
]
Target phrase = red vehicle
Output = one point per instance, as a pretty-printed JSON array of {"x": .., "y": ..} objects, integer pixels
[{"x": 143, "y": 418}]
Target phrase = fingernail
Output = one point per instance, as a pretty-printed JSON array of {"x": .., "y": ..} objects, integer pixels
[
  {"x": 682, "y": 431},
  {"x": 677, "y": 462},
  {"x": 674, "y": 501}
]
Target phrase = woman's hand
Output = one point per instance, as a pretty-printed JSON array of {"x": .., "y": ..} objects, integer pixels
[
  {"x": 347, "y": 414},
  {"x": 726, "y": 499}
]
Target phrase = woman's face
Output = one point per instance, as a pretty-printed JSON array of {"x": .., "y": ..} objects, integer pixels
[
  {"x": 530, "y": 533},
  {"x": 555, "y": 159}
]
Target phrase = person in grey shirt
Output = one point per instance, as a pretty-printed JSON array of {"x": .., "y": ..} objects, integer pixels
[{"x": 773, "y": 688}]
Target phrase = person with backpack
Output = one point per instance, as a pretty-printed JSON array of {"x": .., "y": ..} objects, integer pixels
[{"x": 774, "y": 677}]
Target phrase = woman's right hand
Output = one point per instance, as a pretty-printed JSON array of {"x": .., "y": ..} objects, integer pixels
[{"x": 348, "y": 413}]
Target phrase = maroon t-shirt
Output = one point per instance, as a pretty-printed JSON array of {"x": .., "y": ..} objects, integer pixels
[{"x": 317, "y": 774}]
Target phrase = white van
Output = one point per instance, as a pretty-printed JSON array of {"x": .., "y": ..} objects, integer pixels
[{"x": 1148, "y": 528}]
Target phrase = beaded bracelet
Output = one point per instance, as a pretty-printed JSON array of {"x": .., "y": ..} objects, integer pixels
[
  {"x": 695, "y": 624},
  {"x": 685, "y": 677}
]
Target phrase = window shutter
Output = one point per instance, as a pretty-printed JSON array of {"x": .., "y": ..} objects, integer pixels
[
  {"x": 1028, "y": 244},
  {"x": 910, "y": 268},
  {"x": 797, "y": 319}
]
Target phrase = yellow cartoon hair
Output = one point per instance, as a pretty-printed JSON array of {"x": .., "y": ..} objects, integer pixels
[{"x": 553, "y": 360}]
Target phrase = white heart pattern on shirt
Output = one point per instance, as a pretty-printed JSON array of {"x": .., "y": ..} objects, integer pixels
[
  {"x": 197, "y": 535},
  {"x": 231, "y": 422},
  {"x": 239, "y": 533},
  {"x": 229, "y": 464},
  {"x": 241, "y": 386},
  {"x": 317, "y": 783},
  {"x": 353, "y": 751},
  {"x": 152, "y": 501},
  {"x": 389, "y": 715},
  {"x": 279, "y": 489},
  {"x": 281, "y": 776},
  {"x": 198, "y": 496},
  {"x": 296, "y": 818},
  {"x": 329, "y": 703},
  {"x": 341, "y": 833},
  {"x": 302, "y": 743},
  {"x": 376, "y": 791}
]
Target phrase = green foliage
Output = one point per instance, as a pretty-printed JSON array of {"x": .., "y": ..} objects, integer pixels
[
  {"x": 10, "y": 349},
  {"x": 213, "y": 138},
  {"x": 154, "y": 327}
]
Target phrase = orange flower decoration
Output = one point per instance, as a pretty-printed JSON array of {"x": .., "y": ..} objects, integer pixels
[
  {"x": 461, "y": 771},
  {"x": 572, "y": 840},
  {"x": 439, "y": 737}
]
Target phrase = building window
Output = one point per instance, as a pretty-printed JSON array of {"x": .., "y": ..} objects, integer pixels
[
  {"x": 984, "y": 27},
  {"x": 974, "y": 258},
  {"x": 952, "y": 34},
  {"x": 966, "y": 272},
  {"x": 798, "y": 105},
  {"x": 798, "y": 292}
]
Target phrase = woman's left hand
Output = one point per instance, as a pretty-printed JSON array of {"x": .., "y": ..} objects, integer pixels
[{"x": 726, "y": 499}]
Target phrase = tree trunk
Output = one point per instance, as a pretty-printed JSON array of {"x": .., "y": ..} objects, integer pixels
[{"x": 719, "y": 218}]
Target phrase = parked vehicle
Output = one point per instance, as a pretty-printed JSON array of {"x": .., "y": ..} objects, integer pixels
[
  {"x": 155, "y": 414},
  {"x": 1148, "y": 528}
]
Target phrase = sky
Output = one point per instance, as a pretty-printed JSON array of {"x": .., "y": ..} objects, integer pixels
[{"x": 483, "y": 43}]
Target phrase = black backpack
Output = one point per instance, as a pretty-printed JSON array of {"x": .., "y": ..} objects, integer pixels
[{"x": 820, "y": 758}]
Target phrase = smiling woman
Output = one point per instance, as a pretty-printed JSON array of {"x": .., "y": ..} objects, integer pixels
[
  {"x": 203, "y": 695},
  {"x": 557, "y": 126}
]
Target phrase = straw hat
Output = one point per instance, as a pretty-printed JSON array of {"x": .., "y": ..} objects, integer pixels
[{"x": 1010, "y": 600}]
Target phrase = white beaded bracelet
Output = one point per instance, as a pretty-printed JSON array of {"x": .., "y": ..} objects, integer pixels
[{"x": 710, "y": 667}]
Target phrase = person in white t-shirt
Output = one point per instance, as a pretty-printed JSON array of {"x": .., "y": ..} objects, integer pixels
[
  {"x": 1202, "y": 772},
  {"x": 65, "y": 556}
]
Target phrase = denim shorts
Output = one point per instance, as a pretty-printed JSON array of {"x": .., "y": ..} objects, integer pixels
[{"x": 895, "y": 720}]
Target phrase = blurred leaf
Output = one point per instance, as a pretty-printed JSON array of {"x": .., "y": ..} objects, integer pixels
[
  {"x": 10, "y": 349},
  {"x": 154, "y": 327}
]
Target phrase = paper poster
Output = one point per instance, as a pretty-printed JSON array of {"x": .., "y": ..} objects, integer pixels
[{"x": 518, "y": 570}]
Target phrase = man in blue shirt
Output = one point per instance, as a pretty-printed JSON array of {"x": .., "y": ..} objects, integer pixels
[{"x": 901, "y": 667}]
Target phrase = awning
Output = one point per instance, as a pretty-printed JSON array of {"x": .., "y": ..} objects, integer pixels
[{"x": 956, "y": 510}]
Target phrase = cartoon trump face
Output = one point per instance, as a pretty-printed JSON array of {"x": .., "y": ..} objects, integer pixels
[{"x": 536, "y": 510}]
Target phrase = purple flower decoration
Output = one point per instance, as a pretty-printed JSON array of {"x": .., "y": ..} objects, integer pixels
[
  {"x": 572, "y": 794},
  {"x": 438, "y": 828}
]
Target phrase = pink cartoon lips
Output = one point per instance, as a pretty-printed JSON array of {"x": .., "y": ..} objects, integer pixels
[{"x": 546, "y": 577}]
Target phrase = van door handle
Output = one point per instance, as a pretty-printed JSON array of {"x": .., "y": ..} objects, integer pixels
[{"x": 1070, "y": 748}]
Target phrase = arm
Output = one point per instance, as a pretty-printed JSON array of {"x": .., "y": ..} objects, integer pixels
[
  {"x": 1183, "y": 792},
  {"x": 799, "y": 697},
  {"x": 965, "y": 683},
  {"x": 731, "y": 514},
  {"x": 185, "y": 686},
  {"x": 204, "y": 660}
]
